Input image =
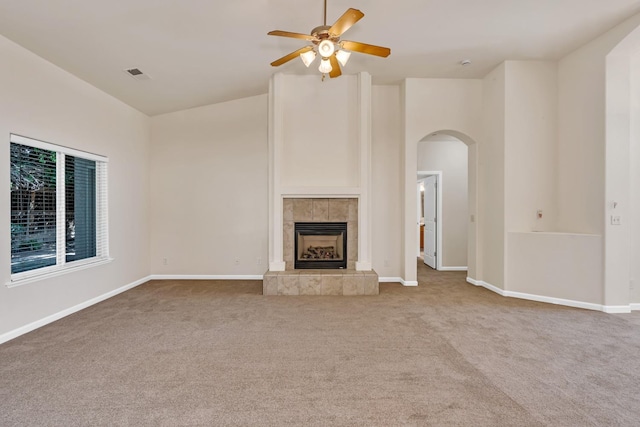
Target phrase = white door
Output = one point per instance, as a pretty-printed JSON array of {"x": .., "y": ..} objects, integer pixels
[{"x": 430, "y": 209}]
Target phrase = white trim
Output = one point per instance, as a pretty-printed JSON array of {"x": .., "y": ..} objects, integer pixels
[
  {"x": 453, "y": 268},
  {"x": 204, "y": 277},
  {"x": 390, "y": 280},
  {"x": 409, "y": 282},
  {"x": 610, "y": 309},
  {"x": 320, "y": 192},
  {"x": 18, "y": 139},
  {"x": 363, "y": 266},
  {"x": 439, "y": 216},
  {"x": 617, "y": 309},
  {"x": 277, "y": 266},
  {"x": 59, "y": 315},
  {"x": 486, "y": 285},
  {"x": 43, "y": 273},
  {"x": 635, "y": 307},
  {"x": 557, "y": 301}
]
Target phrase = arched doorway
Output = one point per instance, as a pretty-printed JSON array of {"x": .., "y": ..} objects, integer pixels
[
  {"x": 411, "y": 236},
  {"x": 443, "y": 215}
]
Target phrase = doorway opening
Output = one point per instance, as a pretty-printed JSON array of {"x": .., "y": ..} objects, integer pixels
[
  {"x": 429, "y": 213},
  {"x": 444, "y": 202}
]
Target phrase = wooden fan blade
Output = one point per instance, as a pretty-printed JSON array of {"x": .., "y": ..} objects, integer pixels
[
  {"x": 291, "y": 56},
  {"x": 292, "y": 35},
  {"x": 350, "y": 17},
  {"x": 335, "y": 67},
  {"x": 369, "y": 49}
]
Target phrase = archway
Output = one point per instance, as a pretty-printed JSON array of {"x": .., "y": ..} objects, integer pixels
[
  {"x": 442, "y": 162},
  {"x": 411, "y": 205}
]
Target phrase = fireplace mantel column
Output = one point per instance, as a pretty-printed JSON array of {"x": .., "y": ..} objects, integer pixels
[
  {"x": 364, "y": 201},
  {"x": 276, "y": 261},
  {"x": 361, "y": 109}
]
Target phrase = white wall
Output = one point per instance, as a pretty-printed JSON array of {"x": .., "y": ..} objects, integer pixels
[
  {"x": 491, "y": 175},
  {"x": 556, "y": 266},
  {"x": 209, "y": 200},
  {"x": 531, "y": 99},
  {"x": 386, "y": 214},
  {"x": 44, "y": 102},
  {"x": 320, "y": 129},
  {"x": 451, "y": 158},
  {"x": 450, "y": 106},
  {"x": 634, "y": 177},
  {"x": 594, "y": 150}
]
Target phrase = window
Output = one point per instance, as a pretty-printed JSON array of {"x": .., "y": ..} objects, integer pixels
[{"x": 58, "y": 208}]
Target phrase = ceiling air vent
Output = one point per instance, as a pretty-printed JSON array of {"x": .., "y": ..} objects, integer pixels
[{"x": 137, "y": 74}]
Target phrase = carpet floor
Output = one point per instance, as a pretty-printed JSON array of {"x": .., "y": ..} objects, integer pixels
[{"x": 445, "y": 353}]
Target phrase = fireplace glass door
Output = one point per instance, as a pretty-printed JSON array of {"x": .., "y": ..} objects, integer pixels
[{"x": 320, "y": 245}]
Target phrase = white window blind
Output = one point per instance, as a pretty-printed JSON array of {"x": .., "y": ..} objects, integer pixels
[{"x": 59, "y": 209}]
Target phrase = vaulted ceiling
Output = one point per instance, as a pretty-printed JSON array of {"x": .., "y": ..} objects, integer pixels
[{"x": 200, "y": 52}]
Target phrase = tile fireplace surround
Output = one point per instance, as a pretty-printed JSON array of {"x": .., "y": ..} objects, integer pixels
[{"x": 325, "y": 281}]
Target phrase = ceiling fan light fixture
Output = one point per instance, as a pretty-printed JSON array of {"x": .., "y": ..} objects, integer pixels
[
  {"x": 325, "y": 66},
  {"x": 343, "y": 57},
  {"x": 308, "y": 57},
  {"x": 326, "y": 48}
]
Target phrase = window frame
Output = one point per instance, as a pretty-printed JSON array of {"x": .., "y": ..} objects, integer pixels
[{"x": 101, "y": 216}]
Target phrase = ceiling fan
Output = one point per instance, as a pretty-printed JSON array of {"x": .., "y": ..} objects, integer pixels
[{"x": 325, "y": 41}]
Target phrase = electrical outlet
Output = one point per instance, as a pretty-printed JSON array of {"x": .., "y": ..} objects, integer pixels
[
  {"x": 386, "y": 263},
  {"x": 164, "y": 261},
  {"x": 258, "y": 261},
  {"x": 616, "y": 220},
  {"x": 237, "y": 261}
]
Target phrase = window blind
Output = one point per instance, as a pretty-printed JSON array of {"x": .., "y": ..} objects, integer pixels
[{"x": 59, "y": 209}]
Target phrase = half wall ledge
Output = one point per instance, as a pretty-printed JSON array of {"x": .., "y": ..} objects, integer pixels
[{"x": 320, "y": 282}]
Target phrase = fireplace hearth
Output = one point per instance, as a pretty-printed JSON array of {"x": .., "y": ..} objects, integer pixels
[{"x": 320, "y": 245}]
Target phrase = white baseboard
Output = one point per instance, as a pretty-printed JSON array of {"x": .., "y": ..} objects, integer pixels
[
  {"x": 486, "y": 285},
  {"x": 57, "y": 316},
  {"x": 635, "y": 307},
  {"x": 204, "y": 277},
  {"x": 397, "y": 280},
  {"x": 611, "y": 309},
  {"x": 443, "y": 268},
  {"x": 409, "y": 282},
  {"x": 389, "y": 280},
  {"x": 617, "y": 309}
]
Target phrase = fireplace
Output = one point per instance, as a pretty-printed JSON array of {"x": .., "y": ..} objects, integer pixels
[{"x": 320, "y": 245}]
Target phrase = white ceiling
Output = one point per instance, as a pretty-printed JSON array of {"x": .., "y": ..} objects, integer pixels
[{"x": 200, "y": 52}]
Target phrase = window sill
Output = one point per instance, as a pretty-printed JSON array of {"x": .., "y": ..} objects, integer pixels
[{"x": 36, "y": 277}]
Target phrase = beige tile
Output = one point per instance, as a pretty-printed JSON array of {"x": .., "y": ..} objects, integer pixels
[
  {"x": 371, "y": 285},
  {"x": 352, "y": 230},
  {"x": 287, "y": 209},
  {"x": 270, "y": 284},
  {"x": 351, "y": 265},
  {"x": 320, "y": 210},
  {"x": 288, "y": 241},
  {"x": 288, "y": 265},
  {"x": 332, "y": 285},
  {"x": 338, "y": 210},
  {"x": 310, "y": 284},
  {"x": 302, "y": 210},
  {"x": 288, "y": 284},
  {"x": 352, "y": 249},
  {"x": 353, "y": 210},
  {"x": 353, "y": 284}
]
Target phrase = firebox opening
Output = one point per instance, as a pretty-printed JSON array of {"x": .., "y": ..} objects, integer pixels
[{"x": 320, "y": 245}]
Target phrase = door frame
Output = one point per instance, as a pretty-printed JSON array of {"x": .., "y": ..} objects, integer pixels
[{"x": 439, "y": 218}]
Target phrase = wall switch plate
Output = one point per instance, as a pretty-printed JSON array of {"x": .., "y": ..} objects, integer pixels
[{"x": 615, "y": 220}]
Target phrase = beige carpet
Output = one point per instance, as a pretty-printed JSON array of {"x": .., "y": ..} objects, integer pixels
[{"x": 445, "y": 353}]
